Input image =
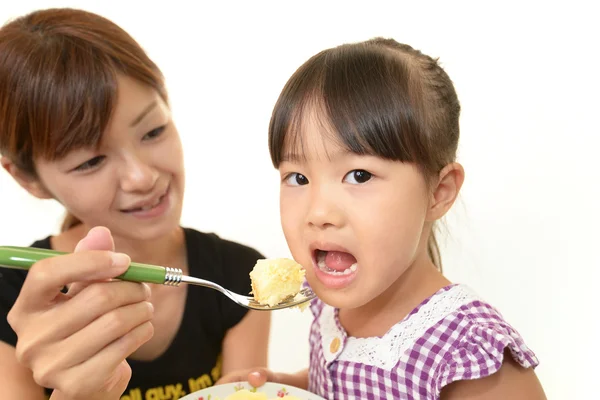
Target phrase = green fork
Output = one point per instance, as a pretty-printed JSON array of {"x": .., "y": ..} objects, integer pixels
[{"x": 24, "y": 257}]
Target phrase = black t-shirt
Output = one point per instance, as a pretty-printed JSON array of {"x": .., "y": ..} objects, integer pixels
[{"x": 193, "y": 360}]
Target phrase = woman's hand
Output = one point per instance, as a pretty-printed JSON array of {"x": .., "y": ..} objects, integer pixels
[{"x": 77, "y": 343}]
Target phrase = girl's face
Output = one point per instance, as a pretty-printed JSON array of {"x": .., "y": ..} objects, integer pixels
[
  {"x": 134, "y": 182},
  {"x": 356, "y": 223}
]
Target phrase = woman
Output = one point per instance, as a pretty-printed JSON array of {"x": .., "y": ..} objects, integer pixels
[{"x": 84, "y": 119}]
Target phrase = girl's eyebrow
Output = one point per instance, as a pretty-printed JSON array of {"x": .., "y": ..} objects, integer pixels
[
  {"x": 334, "y": 155},
  {"x": 292, "y": 157}
]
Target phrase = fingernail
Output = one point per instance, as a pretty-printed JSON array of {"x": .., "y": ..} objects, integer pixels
[
  {"x": 255, "y": 374},
  {"x": 148, "y": 290},
  {"x": 120, "y": 260},
  {"x": 78, "y": 245}
]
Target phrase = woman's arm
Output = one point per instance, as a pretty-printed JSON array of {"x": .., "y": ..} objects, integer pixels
[
  {"x": 511, "y": 382},
  {"x": 16, "y": 381},
  {"x": 246, "y": 345}
]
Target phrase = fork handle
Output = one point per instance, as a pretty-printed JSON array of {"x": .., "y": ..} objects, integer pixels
[{"x": 24, "y": 257}]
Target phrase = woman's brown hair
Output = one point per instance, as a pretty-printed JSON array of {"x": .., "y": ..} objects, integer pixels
[
  {"x": 383, "y": 98},
  {"x": 58, "y": 83}
]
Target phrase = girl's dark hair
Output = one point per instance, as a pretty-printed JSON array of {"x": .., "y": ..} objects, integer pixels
[
  {"x": 58, "y": 83},
  {"x": 382, "y": 98}
]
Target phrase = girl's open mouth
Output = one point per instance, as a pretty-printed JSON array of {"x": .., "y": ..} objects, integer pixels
[{"x": 336, "y": 262}]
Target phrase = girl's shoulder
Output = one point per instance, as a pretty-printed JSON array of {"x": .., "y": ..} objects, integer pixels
[{"x": 461, "y": 337}]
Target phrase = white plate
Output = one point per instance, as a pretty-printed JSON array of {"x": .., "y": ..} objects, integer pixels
[{"x": 272, "y": 390}]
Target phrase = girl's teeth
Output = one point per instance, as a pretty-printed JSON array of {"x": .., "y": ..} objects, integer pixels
[
  {"x": 321, "y": 261},
  {"x": 350, "y": 270}
]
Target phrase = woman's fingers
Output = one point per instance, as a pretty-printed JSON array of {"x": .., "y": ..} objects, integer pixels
[
  {"x": 93, "y": 260},
  {"x": 96, "y": 300},
  {"x": 103, "y": 310},
  {"x": 46, "y": 278},
  {"x": 105, "y": 330},
  {"x": 104, "y": 370}
]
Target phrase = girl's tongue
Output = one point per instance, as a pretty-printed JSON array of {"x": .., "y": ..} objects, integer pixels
[{"x": 337, "y": 261}]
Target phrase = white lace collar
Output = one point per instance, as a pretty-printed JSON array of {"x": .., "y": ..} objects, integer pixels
[{"x": 384, "y": 352}]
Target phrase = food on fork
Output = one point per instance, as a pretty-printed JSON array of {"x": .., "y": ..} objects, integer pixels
[
  {"x": 245, "y": 394},
  {"x": 275, "y": 280}
]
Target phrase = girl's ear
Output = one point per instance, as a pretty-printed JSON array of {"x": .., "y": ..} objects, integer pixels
[
  {"x": 27, "y": 181},
  {"x": 446, "y": 191}
]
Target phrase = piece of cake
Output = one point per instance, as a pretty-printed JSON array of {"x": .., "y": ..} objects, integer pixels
[{"x": 274, "y": 280}]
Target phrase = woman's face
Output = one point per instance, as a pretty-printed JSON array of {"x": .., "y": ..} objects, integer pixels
[{"x": 134, "y": 182}]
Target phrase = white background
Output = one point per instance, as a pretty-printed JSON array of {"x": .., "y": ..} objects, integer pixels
[{"x": 524, "y": 232}]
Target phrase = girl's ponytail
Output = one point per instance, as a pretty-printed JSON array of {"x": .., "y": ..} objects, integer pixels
[{"x": 433, "y": 250}]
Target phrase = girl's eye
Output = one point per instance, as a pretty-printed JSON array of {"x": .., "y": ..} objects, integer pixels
[
  {"x": 296, "y": 179},
  {"x": 89, "y": 164},
  {"x": 154, "y": 133},
  {"x": 358, "y": 176}
]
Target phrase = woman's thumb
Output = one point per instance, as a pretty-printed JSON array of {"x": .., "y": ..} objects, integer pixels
[{"x": 98, "y": 238}]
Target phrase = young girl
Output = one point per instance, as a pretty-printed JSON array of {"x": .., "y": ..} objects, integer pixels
[
  {"x": 84, "y": 119},
  {"x": 365, "y": 136}
]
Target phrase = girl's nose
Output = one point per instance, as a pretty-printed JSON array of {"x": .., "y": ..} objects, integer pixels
[{"x": 323, "y": 211}]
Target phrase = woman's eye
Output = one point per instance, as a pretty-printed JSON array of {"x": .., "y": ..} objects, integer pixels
[
  {"x": 154, "y": 133},
  {"x": 358, "y": 176},
  {"x": 89, "y": 164},
  {"x": 296, "y": 179}
]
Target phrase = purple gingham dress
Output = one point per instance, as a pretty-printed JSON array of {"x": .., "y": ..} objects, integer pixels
[{"x": 450, "y": 336}]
